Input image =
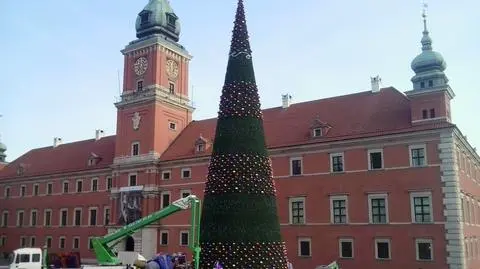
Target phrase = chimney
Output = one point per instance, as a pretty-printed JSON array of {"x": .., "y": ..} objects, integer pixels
[
  {"x": 286, "y": 100},
  {"x": 376, "y": 83},
  {"x": 57, "y": 141},
  {"x": 99, "y": 134}
]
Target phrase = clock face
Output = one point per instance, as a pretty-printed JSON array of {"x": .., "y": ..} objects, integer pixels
[
  {"x": 140, "y": 66},
  {"x": 172, "y": 68}
]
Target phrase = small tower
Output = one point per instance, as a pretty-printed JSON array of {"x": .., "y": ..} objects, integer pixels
[
  {"x": 3, "y": 156},
  {"x": 431, "y": 94}
]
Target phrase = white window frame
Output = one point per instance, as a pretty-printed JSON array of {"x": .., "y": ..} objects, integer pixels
[
  {"x": 7, "y": 190},
  {"x": 90, "y": 216},
  {"x": 370, "y": 212},
  {"x": 47, "y": 238},
  {"x": 136, "y": 179},
  {"x": 4, "y": 223},
  {"x": 105, "y": 215},
  {"x": 314, "y": 134},
  {"x": 418, "y": 146},
  {"x": 23, "y": 190},
  {"x": 131, "y": 148},
  {"x": 35, "y": 239},
  {"x": 169, "y": 172},
  {"x": 413, "y": 195},
  {"x": 337, "y": 154},
  {"x": 91, "y": 184},
  {"x": 35, "y": 186},
  {"x": 332, "y": 215},
  {"x": 74, "y": 216},
  {"x": 345, "y": 240},
  {"x": 370, "y": 151},
  {"x": 291, "y": 165},
  {"x": 417, "y": 254},
  {"x": 299, "y": 246},
  {"x": 46, "y": 188},
  {"x": 189, "y": 173},
  {"x": 106, "y": 182},
  {"x": 73, "y": 242},
  {"x": 88, "y": 242},
  {"x": 162, "y": 233},
  {"x": 201, "y": 147},
  {"x": 76, "y": 186},
  {"x": 169, "y": 198},
  {"x": 290, "y": 210},
  {"x": 45, "y": 217},
  {"x": 63, "y": 186},
  {"x": 23, "y": 238},
  {"x": 31, "y": 219},
  {"x": 60, "y": 217},
  {"x": 18, "y": 218},
  {"x": 188, "y": 237},
  {"x": 60, "y": 242},
  {"x": 381, "y": 240},
  {"x": 189, "y": 191}
]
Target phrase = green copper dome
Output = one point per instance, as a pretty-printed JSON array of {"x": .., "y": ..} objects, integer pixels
[
  {"x": 3, "y": 147},
  {"x": 158, "y": 17}
]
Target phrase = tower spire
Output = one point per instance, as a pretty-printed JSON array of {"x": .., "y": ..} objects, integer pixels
[
  {"x": 426, "y": 40},
  {"x": 240, "y": 218}
]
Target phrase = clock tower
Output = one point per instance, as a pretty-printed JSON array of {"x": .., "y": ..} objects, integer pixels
[{"x": 154, "y": 108}]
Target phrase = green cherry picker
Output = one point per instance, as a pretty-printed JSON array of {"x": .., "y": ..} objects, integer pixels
[{"x": 103, "y": 246}]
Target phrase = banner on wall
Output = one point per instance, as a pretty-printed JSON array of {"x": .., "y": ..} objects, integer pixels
[{"x": 130, "y": 204}]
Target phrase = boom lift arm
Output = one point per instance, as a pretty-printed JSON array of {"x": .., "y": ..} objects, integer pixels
[{"x": 105, "y": 254}]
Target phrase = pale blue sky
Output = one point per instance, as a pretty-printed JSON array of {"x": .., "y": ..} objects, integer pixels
[{"x": 59, "y": 62}]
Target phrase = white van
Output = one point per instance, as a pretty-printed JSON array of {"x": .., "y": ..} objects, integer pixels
[{"x": 26, "y": 258}]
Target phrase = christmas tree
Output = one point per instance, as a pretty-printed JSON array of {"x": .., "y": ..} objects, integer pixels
[{"x": 239, "y": 225}]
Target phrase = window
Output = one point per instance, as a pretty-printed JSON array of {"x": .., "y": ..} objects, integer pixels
[
  {"x": 430, "y": 83},
  {"x": 48, "y": 241},
  {"x": 304, "y": 247},
  {"x": 338, "y": 205},
  {"x": 3, "y": 240},
  {"x": 63, "y": 217},
  {"x": 425, "y": 114},
  {"x": 424, "y": 249},
  {"x": 77, "y": 217},
  {"x": 93, "y": 217},
  {"x": 432, "y": 113},
  {"x": 421, "y": 207},
  {"x": 171, "y": 87},
  {"x": 382, "y": 249},
  {"x": 297, "y": 210},
  {"x": 90, "y": 246},
  {"x": 336, "y": 162},
  {"x": 61, "y": 243},
  {"x": 144, "y": 18},
  {"x": 20, "y": 218},
  {"x": 166, "y": 175},
  {"x": 32, "y": 241},
  {"x": 172, "y": 126},
  {"x": 417, "y": 156},
  {"x": 35, "y": 190},
  {"x": 109, "y": 183},
  {"x": 378, "y": 208},
  {"x": 35, "y": 257},
  {"x": 164, "y": 238},
  {"x": 317, "y": 132},
  {"x": 23, "y": 190},
  {"x": 165, "y": 199},
  {"x": 295, "y": 166},
  {"x": 171, "y": 20},
  {"x": 183, "y": 238},
  {"x": 94, "y": 187},
  {"x": 375, "y": 159},
  {"x": 23, "y": 244},
  {"x": 140, "y": 85},
  {"x": 135, "y": 149},
  {"x": 422, "y": 84},
  {"x": 132, "y": 180},
  {"x": 185, "y": 193},
  {"x": 345, "y": 248},
  {"x": 186, "y": 173},
  {"x": 65, "y": 187},
  {"x": 49, "y": 188},
  {"x": 33, "y": 218},
  {"x": 47, "y": 217},
  {"x": 5, "y": 219},
  {"x": 201, "y": 147},
  {"x": 7, "y": 192},
  {"x": 79, "y": 185},
  {"x": 106, "y": 216},
  {"x": 76, "y": 243}
]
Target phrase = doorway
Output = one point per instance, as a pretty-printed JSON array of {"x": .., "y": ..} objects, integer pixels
[{"x": 130, "y": 244}]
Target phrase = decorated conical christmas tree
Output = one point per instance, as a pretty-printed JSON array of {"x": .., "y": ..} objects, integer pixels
[{"x": 239, "y": 225}]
